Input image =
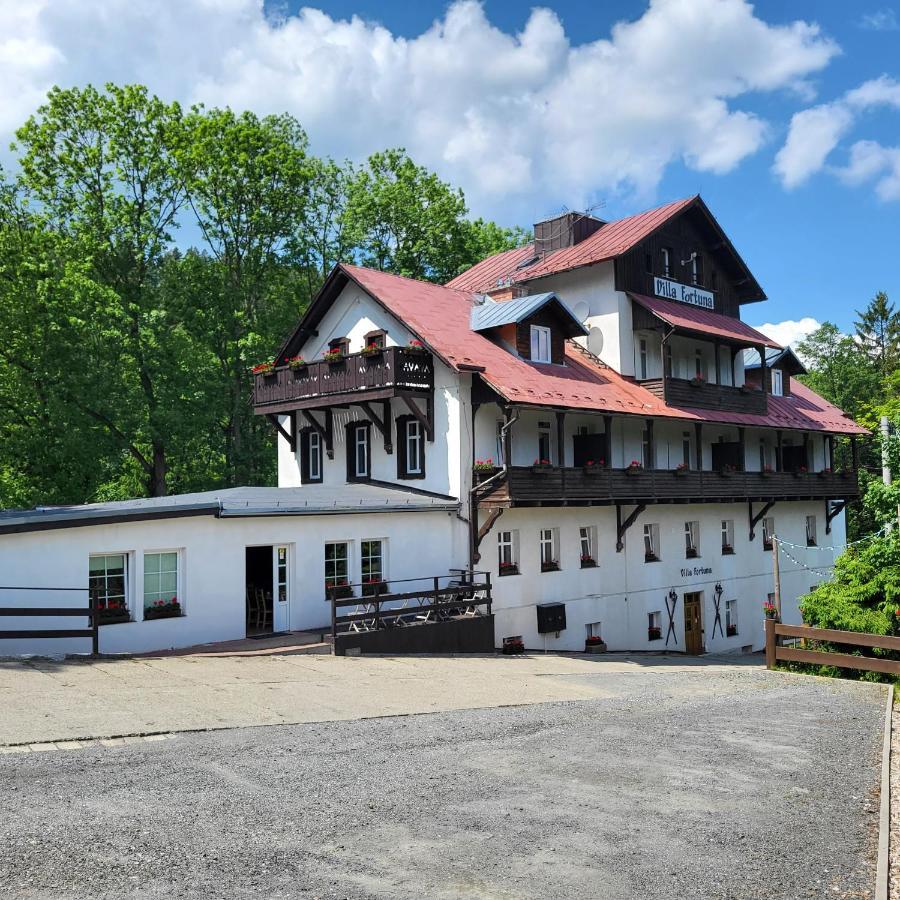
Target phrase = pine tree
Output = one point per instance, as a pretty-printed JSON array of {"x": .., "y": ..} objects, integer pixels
[{"x": 878, "y": 332}]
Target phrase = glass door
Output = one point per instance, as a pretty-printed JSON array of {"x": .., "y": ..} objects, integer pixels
[{"x": 281, "y": 620}]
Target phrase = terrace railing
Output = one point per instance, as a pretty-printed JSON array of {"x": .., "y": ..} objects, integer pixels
[{"x": 91, "y": 612}]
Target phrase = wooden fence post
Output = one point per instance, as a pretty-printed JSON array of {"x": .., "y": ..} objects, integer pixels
[
  {"x": 94, "y": 603},
  {"x": 770, "y": 643}
]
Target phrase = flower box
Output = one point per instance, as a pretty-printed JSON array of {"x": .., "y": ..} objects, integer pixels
[
  {"x": 542, "y": 468},
  {"x": 114, "y": 616},
  {"x": 727, "y": 550},
  {"x": 372, "y": 351},
  {"x": 512, "y": 647},
  {"x": 373, "y": 588},
  {"x": 297, "y": 364},
  {"x": 339, "y": 592},
  {"x": 508, "y": 569},
  {"x": 731, "y": 631},
  {"x": 552, "y": 566},
  {"x": 484, "y": 474},
  {"x": 416, "y": 347},
  {"x": 681, "y": 471},
  {"x": 651, "y": 557},
  {"x": 595, "y": 645},
  {"x": 266, "y": 368},
  {"x": 697, "y": 382},
  {"x": 588, "y": 562},
  {"x": 161, "y": 610},
  {"x": 691, "y": 554},
  {"x": 592, "y": 468},
  {"x": 634, "y": 470},
  {"x": 800, "y": 473},
  {"x": 654, "y": 634}
]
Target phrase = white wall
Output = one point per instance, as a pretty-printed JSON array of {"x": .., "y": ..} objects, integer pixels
[
  {"x": 213, "y": 570},
  {"x": 623, "y": 588}
]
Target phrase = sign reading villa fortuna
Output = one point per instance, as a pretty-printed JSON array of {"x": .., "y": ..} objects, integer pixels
[{"x": 683, "y": 293}]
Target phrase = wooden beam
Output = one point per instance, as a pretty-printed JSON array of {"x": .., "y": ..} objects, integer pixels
[
  {"x": 833, "y": 508},
  {"x": 483, "y": 530},
  {"x": 779, "y": 456},
  {"x": 324, "y": 431},
  {"x": 651, "y": 447},
  {"x": 291, "y": 439},
  {"x": 425, "y": 418},
  {"x": 741, "y": 440},
  {"x": 607, "y": 434},
  {"x": 755, "y": 520},
  {"x": 622, "y": 527},
  {"x": 560, "y": 438},
  {"x": 854, "y": 452},
  {"x": 698, "y": 436},
  {"x": 382, "y": 423}
]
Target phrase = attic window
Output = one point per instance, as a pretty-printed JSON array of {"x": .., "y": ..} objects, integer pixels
[
  {"x": 528, "y": 261},
  {"x": 777, "y": 383},
  {"x": 341, "y": 343},
  {"x": 540, "y": 344},
  {"x": 375, "y": 339}
]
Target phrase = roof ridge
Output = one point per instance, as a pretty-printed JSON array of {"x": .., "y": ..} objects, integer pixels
[{"x": 420, "y": 281}]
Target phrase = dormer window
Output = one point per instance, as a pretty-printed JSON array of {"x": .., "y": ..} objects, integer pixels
[
  {"x": 666, "y": 254},
  {"x": 341, "y": 344},
  {"x": 375, "y": 339},
  {"x": 540, "y": 344},
  {"x": 777, "y": 383}
]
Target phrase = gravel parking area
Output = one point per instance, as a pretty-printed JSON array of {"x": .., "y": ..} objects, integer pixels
[{"x": 730, "y": 783}]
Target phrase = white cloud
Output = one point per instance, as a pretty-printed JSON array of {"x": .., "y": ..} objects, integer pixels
[
  {"x": 880, "y": 20},
  {"x": 814, "y": 134},
  {"x": 790, "y": 331},
  {"x": 522, "y": 121}
]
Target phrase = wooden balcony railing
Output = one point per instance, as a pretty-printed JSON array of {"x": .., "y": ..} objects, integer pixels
[
  {"x": 684, "y": 392},
  {"x": 529, "y": 485},
  {"x": 320, "y": 382}
]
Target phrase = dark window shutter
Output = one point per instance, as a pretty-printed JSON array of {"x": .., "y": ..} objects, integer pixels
[{"x": 401, "y": 446}]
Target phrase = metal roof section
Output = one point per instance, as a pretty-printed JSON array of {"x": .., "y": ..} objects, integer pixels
[
  {"x": 493, "y": 314},
  {"x": 775, "y": 357},
  {"x": 239, "y": 502}
]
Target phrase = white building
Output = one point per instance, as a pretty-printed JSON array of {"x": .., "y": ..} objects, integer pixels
[{"x": 586, "y": 419}]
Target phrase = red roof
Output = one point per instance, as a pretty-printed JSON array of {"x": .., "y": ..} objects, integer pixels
[
  {"x": 439, "y": 317},
  {"x": 703, "y": 321},
  {"x": 611, "y": 240}
]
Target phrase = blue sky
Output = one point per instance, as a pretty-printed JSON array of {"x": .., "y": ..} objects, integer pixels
[{"x": 783, "y": 116}]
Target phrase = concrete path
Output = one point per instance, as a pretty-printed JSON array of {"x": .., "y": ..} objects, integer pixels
[{"x": 46, "y": 700}]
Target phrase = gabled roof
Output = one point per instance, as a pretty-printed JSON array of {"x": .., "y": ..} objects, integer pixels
[
  {"x": 784, "y": 358},
  {"x": 440, "y": 318},
  {"x": 696, "y": 320},
  {"x": 493, "y": 313},
  {"x": 611, "y": 240}
]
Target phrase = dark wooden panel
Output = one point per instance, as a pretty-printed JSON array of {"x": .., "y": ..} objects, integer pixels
[
  {"x": 469, "y": 635},
  {"x": 681, "y": 392},
  {"x": 397, "y": 368}
]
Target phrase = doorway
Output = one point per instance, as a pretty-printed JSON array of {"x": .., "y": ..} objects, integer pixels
[
  {"x": 693, "y": 623},
  {"x": 267, "y": 590}
]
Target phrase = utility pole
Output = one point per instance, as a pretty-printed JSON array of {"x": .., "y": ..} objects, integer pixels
[{"x": 777, "y": 573}]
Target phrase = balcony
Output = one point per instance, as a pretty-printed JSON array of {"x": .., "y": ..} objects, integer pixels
[
  {"x": 393, "y": 371},
  {"x": 685, "y": 392},
  {"x": 554, "y": 486}
]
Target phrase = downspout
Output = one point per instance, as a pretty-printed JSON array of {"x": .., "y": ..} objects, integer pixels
[{"x": 473, "y": 500}]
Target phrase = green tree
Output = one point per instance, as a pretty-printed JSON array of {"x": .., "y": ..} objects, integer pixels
[{"x": 878, "y": 333}]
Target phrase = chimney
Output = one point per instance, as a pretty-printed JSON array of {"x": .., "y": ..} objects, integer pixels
[{"x": 567, "y": 230}]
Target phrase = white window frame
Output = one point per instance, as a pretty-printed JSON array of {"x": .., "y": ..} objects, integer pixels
[
  {"x": 777, "y": 383},
  {"x": 360, "y": 443},
  {"x": 728, "y": 536},
  {"x": 549, "y": 546},
  {"x": 768, "y": 524},
  {"x": 654, "y": 620},
  {"x": 314, "y": 455},
  {"x": 642, "y": 357},
  {"x": 500, "y": 454},
  {"x": 331, "y": 581},
  {"x": 126, "y": 574},
  {"x": 508, "y": 549},
  {"x": 699, "y": 364},
  {"x": 593, "y": 629},
  {"x": 811, "y": 536},
  {"x": 686, "y": 448},
  {"x": 651, "y": 543},
  {"x": 692, "y": 538},
  {"x": 587, "y": 541},
  {"x": 646, "y": 449},
  {"x": 414, "y": 449},
  {"x": 541, "y": 350},
  {"x": 178, "y": 575},
  {"x": 545, "y": 430},
  {"x": 365, "y": 557},
  {"x": 731, "y": 615}
]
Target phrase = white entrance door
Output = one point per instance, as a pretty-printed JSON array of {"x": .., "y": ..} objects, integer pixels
[{"x": 280, "y": 589}]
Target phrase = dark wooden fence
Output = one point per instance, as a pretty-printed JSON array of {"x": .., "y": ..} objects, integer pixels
[
  {"x": 91, "y": 612},
  {"x": 392, "y": 617},
  {"x": 776, "y": 653},
  {"x": 683, "y": 392}
]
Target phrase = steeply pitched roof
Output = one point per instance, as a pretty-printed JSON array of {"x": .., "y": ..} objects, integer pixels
[
  {"x": 784, "y": 357},
  {"x": 440, "y": 317},
  {"x": 613, "y": 239},
  {"x": 703, "y": 321},
  {"x": 492, "y": 314}
]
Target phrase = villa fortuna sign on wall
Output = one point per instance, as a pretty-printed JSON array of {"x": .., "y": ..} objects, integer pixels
[{"x": 683, "y": 293}]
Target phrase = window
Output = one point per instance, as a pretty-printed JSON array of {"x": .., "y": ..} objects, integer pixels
[
  {"x": 337, "y": 565},
  {"x": 666, "y": 254},
  {"x": 540, "y": 344},
  {"x": 731, "y": 621},
  {"x": 727, "y": 537},
  {"x": 411, "y": 451},
  {"x": 686, "y": 448},
  {"x": 768, "y": 532},
  {"x": 810, "y": 531},
  {"x": 545, "y": 454},
  {"x": 500, "y": 457},
  {"x": 646, "y": 449},
  {"x": 651, "y": 543},
  {"x": 654, "y": 625},
  {"x": 699, "y": 364},
  {"x": 341, "y": 343},
  {"x": 358, "y": 451},
  {"x": 763, "y": 455},
  {"x": 507, "y": 553},
  {"x": 668, "y": 361},
  {"x": 642, "y": 345},
  {"x": 310, "y": 455},
  {"x": 375, "y": 339},
  {"x": 371, "y": 556},
  {"x": 108, "y": 585},
  {"x": 161, "y": 582},
  {"x": 549, "y": 550},
  {"x": 777, "y": 382},
  {"x": 588, "y": 539},
  {"x": 691, "y": 539},
  {"x": 696, "y": 268},
  {"x": 592, "y": 629},
  {"x": 281, "y": 588}
]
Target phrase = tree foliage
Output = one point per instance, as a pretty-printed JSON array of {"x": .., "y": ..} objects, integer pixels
[{"x": 149, "y": 255}]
